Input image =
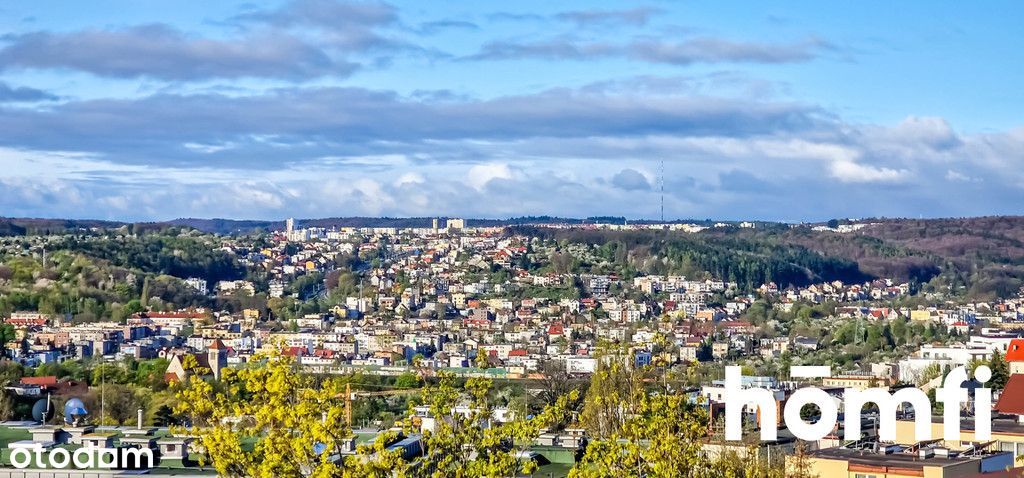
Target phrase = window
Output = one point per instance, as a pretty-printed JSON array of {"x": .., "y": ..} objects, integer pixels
[
  {"x": 170, "y": 448},
  {"x": 861, "y": 475}
]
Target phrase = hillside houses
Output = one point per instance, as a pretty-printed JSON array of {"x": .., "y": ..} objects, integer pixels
[{"x": 440, "y": 297}]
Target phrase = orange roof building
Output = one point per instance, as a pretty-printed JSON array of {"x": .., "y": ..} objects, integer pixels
[{"x": 1015, "y": 356}]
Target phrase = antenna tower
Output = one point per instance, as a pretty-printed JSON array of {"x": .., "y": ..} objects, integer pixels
[{"x": 661, "y": 181}]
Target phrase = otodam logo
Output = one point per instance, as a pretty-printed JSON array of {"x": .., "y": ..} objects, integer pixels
[
  {"x": 88, "y": 457},
  {"x": 951, "y": 395}
]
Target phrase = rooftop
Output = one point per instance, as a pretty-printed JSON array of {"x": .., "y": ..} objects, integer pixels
[{"x": 899, "y": 459}]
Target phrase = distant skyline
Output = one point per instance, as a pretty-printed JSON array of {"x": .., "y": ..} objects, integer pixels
[{"x": 797, "y": 111}]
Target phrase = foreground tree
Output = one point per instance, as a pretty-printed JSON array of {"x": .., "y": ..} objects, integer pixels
[
  {"x": 294, "y": 423},
  {"x": 270, "y": 420},
  {"x": 555, "y": 382},
  {"x": 644, "y": 430},
  {"x": 615, "y": 392},
  {"x": 799, "y": 464},
  {"x": 1000, "y": 371},
  {"x": 661, "y": 438},
  {"x": 474, "y": 443}
]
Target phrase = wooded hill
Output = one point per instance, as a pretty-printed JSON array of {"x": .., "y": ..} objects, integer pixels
[
  {"x": 980, "y": 257},
  {"x": 974, "y": 257}
]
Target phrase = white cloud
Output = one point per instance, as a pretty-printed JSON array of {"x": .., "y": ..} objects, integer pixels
[
  {"x": 485, "y": 172},
  {"x": 208, "y": 148},
  {"x": 851, "y": 172},
  {"x": 481, "y": 174},
  {"x": 409, "y": 178},
  {"x": 78, "y": 165},
  {"x": 372, "y": 196},
  {"x": 927, "y": 130},
  {"x": 957, "y": 176}
]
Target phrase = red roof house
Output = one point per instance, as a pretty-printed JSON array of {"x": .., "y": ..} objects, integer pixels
[{"x": 1011, "y": 401}]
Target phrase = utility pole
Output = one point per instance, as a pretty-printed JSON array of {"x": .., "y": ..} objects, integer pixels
[
  {"x": 103, "y": 395},
  {"x": 348, "y": 405}
]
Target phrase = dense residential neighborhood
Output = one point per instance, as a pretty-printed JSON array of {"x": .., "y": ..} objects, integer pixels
[
  {"x": 446, "y": 295},
  {"x": 413, "y": 305}
]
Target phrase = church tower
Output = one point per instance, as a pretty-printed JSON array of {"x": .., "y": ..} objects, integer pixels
[{"x": 217, "y": 353}]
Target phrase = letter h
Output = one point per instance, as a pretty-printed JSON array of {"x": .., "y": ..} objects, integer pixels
[{"x": 737, "y": 397}]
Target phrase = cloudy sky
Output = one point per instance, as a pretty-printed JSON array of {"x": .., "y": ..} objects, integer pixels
[{"x": 147, "y": 109}]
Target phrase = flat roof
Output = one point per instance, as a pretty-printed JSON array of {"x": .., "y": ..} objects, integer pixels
[
  {"x": 1000, "y": 424},
  {"x": 901, "y": 460}
]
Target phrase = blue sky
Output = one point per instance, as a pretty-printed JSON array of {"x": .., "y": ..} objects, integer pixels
[{"x": 790, "y": 111}]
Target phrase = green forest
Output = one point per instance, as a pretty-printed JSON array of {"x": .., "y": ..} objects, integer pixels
[
  {"x": 978, "y": 258},
  {"x": 109, "y": 275}
]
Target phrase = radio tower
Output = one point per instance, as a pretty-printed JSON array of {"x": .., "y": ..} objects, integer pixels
[{"x": 661, "y": 180}]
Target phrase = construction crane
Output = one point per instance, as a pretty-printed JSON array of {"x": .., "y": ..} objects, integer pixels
[{"x": 350, "y": 395}]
